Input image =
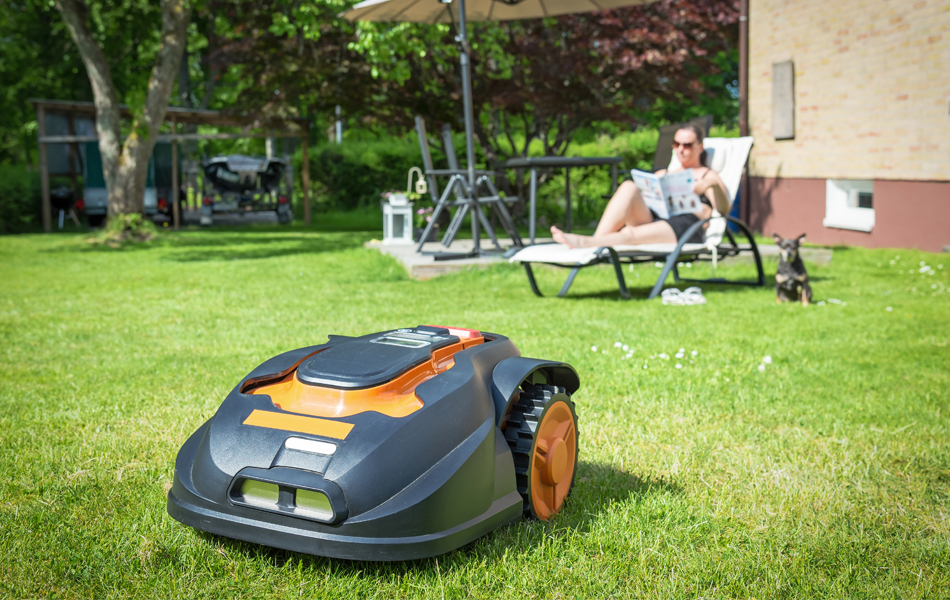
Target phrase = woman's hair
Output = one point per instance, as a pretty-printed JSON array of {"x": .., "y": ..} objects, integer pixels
[{"x": 700, "y": 134}]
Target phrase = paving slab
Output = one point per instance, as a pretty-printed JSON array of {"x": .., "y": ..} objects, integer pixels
[{"x": 424, "y": 266}]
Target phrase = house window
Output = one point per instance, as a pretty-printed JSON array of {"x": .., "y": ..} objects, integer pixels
[{"x": 849, "y": 204}]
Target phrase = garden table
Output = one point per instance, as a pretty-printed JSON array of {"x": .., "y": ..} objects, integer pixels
[{"x": 565, "y": 162}]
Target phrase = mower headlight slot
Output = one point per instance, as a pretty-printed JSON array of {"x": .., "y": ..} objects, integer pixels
[
  {"x": 260, "y": 493},
  {"x": 313, "y": 504},
  {"x": 290, "y": 492}
]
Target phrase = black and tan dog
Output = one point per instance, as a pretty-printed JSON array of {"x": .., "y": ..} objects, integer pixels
[{"x": 791, "y": 280}]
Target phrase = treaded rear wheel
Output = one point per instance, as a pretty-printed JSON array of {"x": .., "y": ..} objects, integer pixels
[{"x": 542, "y": 434}]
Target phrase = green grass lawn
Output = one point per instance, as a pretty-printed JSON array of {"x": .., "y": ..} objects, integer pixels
[{"x": 826, "y": 475}]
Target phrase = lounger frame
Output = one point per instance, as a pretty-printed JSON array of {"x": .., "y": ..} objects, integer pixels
[{"x": 723, "y": 250}]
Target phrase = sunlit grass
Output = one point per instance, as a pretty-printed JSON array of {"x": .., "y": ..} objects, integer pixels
[{"x": 828, "y": 474}]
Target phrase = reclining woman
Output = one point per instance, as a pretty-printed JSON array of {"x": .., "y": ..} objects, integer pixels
[{"x": 628, "y": 221}]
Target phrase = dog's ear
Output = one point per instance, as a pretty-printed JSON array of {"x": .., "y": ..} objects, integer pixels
[
  {"x": 801, "y": 238},
  {"x": 776, "y": 237}
]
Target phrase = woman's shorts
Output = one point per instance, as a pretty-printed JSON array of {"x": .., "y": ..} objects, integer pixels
[{"x": 680, "y": 223}]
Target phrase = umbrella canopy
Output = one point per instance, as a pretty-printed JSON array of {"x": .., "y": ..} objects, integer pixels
[{"x": 436, "y": 11}]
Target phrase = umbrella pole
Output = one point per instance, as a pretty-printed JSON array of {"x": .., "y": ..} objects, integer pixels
[{"x": 469, "y": 134}]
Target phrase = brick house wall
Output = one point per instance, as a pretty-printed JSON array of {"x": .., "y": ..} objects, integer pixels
[{"x": 871, "y": 102}]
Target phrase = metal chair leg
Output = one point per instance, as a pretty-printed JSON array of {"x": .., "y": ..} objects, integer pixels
[
  {"x": 618, "y": 271},
  {"x": 673, "y": 257},
  {"x": 531, "y": 280},
  {"x": 435, "y": 213},
  {"x": 455, "y": 225},
  {"x": 568, "y": 282},
  {"x": 487, "y": 228}
]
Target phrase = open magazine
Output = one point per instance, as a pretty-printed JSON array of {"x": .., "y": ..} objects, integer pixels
[{"x": 669, "y": 195}]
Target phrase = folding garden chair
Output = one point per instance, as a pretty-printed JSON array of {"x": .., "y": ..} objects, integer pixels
[{"x": 457, "y": 193}]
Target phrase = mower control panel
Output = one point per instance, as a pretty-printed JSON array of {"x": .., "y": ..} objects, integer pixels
[{"x": 375, "y": 359}]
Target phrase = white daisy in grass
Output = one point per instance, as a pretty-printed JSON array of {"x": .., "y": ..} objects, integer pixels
[
  {"x": 593, "y": 348},
  {"x": 679, "y": 366},
  {"x": 762, "y": 368},
  {"x": 618, "y": 344},
  {"x": 694, "y": 353},
  {"x": 767, "y": 360}
]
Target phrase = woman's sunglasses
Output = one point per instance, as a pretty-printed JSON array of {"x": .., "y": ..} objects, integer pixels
[{"x": 683, "y": 144}]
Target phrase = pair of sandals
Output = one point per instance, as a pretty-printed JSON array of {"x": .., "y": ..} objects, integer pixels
[{"x": 688, "y": 297}]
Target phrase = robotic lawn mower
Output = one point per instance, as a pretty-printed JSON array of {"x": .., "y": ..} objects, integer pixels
[{"x": 396, "y": 445}]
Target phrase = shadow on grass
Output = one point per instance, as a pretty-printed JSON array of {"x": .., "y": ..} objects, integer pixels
[
  {"x": 596, "y": 488},
  {"x": 221, "y": 246},
  {"x": 238, "y": 247},
  {"x": 643, "y": 293}
]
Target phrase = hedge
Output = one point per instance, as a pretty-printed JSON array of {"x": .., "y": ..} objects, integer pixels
[
  {"x": 353, "y": 175},
  {"x": 20, "y": 200}
]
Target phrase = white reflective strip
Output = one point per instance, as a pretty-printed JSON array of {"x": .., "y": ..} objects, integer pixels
[{"x": 311, "y": 446}]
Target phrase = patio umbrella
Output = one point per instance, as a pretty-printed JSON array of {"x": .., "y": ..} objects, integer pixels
[{"x": 437, "y": 11}]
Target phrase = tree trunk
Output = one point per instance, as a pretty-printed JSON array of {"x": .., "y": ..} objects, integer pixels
[{"x": 125, "y": 165}]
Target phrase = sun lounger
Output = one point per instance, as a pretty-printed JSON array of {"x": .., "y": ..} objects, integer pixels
[{"x": 727, "y": 156}]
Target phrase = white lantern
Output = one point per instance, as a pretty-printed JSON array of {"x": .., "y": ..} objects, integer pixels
[{"x": 397, "y": 220}]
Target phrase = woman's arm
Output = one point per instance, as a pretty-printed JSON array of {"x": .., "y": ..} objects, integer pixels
[{"x": 713, "y": 188}]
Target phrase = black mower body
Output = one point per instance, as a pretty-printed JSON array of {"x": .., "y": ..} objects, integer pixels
[{"x": 392, "y": 488}]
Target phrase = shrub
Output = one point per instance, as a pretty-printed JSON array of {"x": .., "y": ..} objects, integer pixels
[
  {"x": 20, "y": 208},
  {"x": 352, "y": 175},
  {"x": 126, "y": 228}
]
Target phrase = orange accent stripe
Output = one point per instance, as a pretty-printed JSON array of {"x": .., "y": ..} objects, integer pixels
[
  {"x": 396, "y": 398},
  {"x": 286, "y": 422}
]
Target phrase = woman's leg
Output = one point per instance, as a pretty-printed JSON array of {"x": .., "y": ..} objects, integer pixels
[
  {"x": 657, "y": 232},
  {"x": 626, "y": 220},
  {"x": 626, "y": 207}
]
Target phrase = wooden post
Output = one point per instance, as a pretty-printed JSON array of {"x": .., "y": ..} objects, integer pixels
[
  {"x": 73, "y": 167},
  {"x": 175, "y": 216},
  {"x": 73, "y": 156},
  {"x": 44, "y": 170},
  {"x": 305, "y": 174}
]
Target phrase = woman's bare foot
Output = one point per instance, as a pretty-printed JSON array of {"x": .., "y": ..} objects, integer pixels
[{"x": 571, "y": 240}]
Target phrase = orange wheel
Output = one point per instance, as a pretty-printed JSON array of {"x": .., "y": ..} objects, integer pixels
[{"x": 542, "y": 434}]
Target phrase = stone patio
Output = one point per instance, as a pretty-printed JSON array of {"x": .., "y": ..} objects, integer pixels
[{"x": 421, "y": 266}]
